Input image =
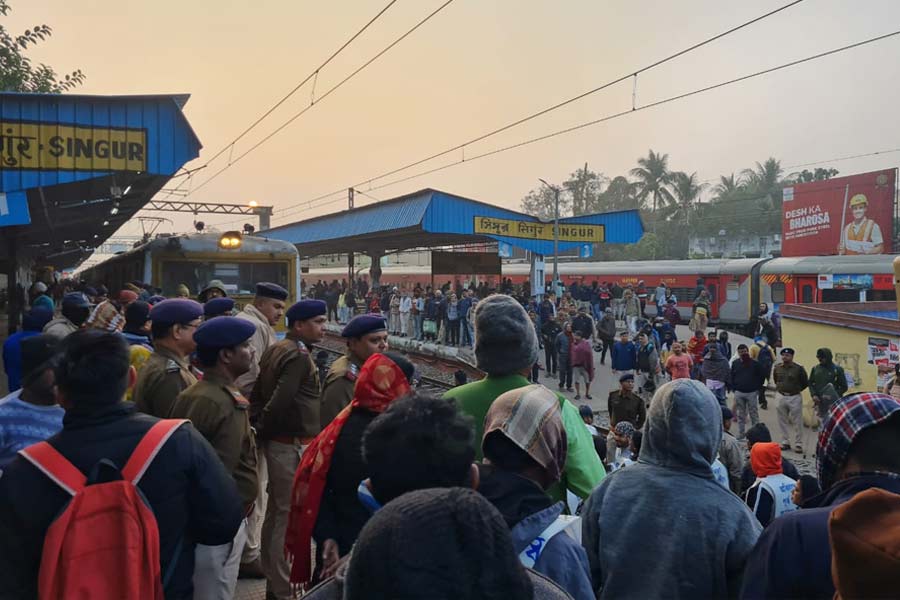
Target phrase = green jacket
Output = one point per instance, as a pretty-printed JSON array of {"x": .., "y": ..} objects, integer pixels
[
  {"x": 822, "y": 375},
  {"x": 583, "y": 471}
]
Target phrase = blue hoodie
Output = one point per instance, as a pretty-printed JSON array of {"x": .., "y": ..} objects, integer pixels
[{"x": 663, "y": 528}]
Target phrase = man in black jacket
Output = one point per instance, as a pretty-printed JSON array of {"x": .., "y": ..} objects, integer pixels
[
  {"x": 194, "y": 499},
  {"x": 747, "y": 378},
  {"x": 549, "y": 330}
]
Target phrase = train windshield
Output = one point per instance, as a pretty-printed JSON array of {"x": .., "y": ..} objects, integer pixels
[{"x": 240, "y": 277}]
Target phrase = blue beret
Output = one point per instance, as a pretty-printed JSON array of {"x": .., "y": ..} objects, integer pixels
[
  {"x": 156, "y": 299},
  {"x": 223, "y": 332},
  {"x": 271, "y": 290},
  {"x": 218, "y": 307},
  {"x": 626, "y": 377},
  {"x": 176, "y": 310},
  {"x": 361, "y": 325},
  {"x": 305, "y": 309},
  {"x": 75, "y": 299}
]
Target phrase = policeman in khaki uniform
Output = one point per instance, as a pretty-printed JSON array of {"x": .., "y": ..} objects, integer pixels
[
  {"x": 220, "y": 413},
  {"x": 366, "y": 335},
  {"x": 167, "y": 372},
  {"x": 285, "y": 404}
]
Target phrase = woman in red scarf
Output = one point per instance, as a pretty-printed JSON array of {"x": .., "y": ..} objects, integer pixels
[{"x": 324, "y": 501}]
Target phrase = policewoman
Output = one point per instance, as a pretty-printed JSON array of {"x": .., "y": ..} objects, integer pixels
[
  {"x": 167, "y": 371},
  {"x": 220, "y": 413},
  {"x": 366, "y": 335},
  {"x": 285, "y": 402}
]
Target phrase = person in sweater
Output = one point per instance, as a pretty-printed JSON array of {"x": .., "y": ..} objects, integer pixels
[
  {"x": 33, "y": 322},
  {"x": 606, "y": 332},
  {"x": 716, "y": 372},
  {"x": 747, "y": 378},
  {"x": 623, "y": 356},
  {"x": 76, "y": 308},
  {"x": 31, "y": 414},
  {"x": 647, "y": 365},
  {"x": 771, "y": 495},
  {"x": 730, "y": 452},
  {"x": 701, "y": 533},
  {"x": 827, "y": 382},
  {"x": 550, "y": 328},
  {"x": 631, "y": 305},
  {"x": 524, "y": 453},
  {"x": 671, "y": 314},
  {"x": 858, "y": 450},
  {"x": 622, "y": 434},
  {"x": 505, "y": 349},
  {"x": 582, "y": 365},
  {"x": 563, "y": 346},
  {"x": 764, "y": 354}
]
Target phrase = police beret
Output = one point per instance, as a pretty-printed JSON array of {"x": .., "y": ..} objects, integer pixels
[
  {"x": 787, "y": 351},
  {"x": 176, "y": 310},
  {"x": 156, "y": 299},
  {"x": 361, "y": 325},
  {"x": 218, "y": 307},
  {"x": 224, "y": 332},
  {"x": 75, "y": 299},
  {"x": 91, "y": 292},
  {"x": 271, "y": 290},
  {"x": 626, "y": 377},
  {"x": 305, "y": 309}
]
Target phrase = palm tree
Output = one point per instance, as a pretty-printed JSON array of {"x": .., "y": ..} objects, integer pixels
[
  {"x": 686, "y": 190},
  {"x": 620, "y": 194},
  {"x": 766, "y": 177},
  {"x": 653, "y": 176},
  {"x": 727, "y": 187}
]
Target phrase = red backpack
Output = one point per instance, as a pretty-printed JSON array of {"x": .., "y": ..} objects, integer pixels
[{"x": 105, "y": 542}]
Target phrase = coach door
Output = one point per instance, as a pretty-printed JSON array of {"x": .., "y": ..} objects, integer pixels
[{"x": 807, "y": 290}]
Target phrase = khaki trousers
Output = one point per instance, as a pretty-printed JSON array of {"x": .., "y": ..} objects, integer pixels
[
  {"x": 282, "y": 461},
  {"x": 255, "y": 518},
  {"x": 790, "y": 418}
]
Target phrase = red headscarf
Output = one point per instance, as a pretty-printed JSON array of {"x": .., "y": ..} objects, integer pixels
[
  {"x": 380, "y": 382},
  {"x": 765, "y": 459}
]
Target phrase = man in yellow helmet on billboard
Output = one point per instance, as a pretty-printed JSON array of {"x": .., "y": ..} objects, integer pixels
[{"x": 862, "y": 235}]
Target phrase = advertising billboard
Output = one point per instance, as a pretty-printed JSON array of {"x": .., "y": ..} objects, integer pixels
[{"x": 844, "y": 215}]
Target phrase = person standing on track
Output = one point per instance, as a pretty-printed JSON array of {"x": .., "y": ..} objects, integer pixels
[
  {"x": 606, "y": 332},
  {"x": 286, "y": 400},
  {"x": 582, "y": 365},
  {"x": 623, "y": 356},
  {"x": 764, "y": 354},
  {"x": 790, "y": 381},
  {"x": 366, "y": 335},
  {"x": 827, "y": 383},
  {"x": 405, "y": 309},
  {"x": 747, "y": 379},
  {"x": 563, "y": 348},
  {"x": 220, "y": 413},
  {"x": 549, "y": 330},
  {"x": 631, "y": 306},
  {"x": 167, "y": 372},
  {"x": 266, "y": 311}
]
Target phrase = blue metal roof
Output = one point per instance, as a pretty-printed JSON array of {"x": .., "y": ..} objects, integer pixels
[{"x": 443, "y": 216}]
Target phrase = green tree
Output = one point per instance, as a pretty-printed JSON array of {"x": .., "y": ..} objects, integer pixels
[
  {"x": 652, "y": 174},
  {"x": 540, "y": 201},
  {"x": 820, "y": 174},
  {"x": 727, "y": 187},
  {"x": 686, "y": 190},
  {"x": 620, "y": 194},
  {"x": 584, "y": 187},
  {"x": 18, "y": 73}
]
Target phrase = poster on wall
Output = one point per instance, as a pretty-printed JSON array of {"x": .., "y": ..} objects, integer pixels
[
  {"x": 885, "y": 355},
  {"x": 844, "y": 215}
]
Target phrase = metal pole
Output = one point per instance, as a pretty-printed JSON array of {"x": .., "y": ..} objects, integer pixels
[{"x": 556, "y": 242}]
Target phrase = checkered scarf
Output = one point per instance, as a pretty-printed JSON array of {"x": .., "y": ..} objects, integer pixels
[{"x": 846, "y": 419}]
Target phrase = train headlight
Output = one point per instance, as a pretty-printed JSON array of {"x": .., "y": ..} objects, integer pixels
[{"x": 230, "y": 240}]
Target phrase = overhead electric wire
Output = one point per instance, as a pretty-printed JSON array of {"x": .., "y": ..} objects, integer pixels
[
  {"x": 578, "y": 97},
  {"x": 615, "y": 116},
  {"x": 325, "y": 95}
]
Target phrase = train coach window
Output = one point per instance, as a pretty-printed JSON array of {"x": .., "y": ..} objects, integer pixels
[
  {"x": 778, "y": 292},
  {"x": 881, "y": 296},
  {"x": 733, "y": 291}
]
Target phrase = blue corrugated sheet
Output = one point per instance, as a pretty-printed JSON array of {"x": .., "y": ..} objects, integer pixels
[
  {"x": 439, "y": 212},
  {"x": 170, "y": 141},
  {"x": 384, "y": 216}
]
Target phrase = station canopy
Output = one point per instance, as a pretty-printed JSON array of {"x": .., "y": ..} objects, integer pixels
[
  {"x": 74, "y": 168},
  {"x": 431, "y": 218}
]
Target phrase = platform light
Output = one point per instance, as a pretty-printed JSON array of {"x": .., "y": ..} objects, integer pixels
[
  {"x": 253, "y": 204},
  {"x": 230, "y": 240}
]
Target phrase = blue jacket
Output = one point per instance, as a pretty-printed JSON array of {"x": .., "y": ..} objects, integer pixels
[
  {"x": 193, "y": 497},
  {"x": 624, "y": 356},
  {"x": 12, "y": 358},
  {"x": 528, "y": 511},
  {"x": 563, "y": 345},
  {"x": 793, "y": 556}
]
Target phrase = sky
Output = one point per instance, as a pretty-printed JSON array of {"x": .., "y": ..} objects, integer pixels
[{"x": 476, "y": 66}]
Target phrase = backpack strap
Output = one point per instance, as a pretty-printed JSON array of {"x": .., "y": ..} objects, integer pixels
[
  {"x": 148, "y": 448},
  {"x": 55, "y": 466}
]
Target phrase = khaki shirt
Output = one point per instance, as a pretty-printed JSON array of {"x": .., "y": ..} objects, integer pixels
[
  {"x": 260, "y": 342},
  {"x": 790, "y": 379},
  {"x": 337, "y": 391},
  {"x": 626, "y": 407},
  {"x": 161, "y": 379},
  {"x": 221, "y": 414},
  {"x": 285, "y": 399}
]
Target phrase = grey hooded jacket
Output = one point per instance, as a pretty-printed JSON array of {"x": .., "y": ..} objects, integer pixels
[{"x": 663, "y": 528}]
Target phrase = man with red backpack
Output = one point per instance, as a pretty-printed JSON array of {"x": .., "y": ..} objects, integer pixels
[{"x": 114, "y": 504}]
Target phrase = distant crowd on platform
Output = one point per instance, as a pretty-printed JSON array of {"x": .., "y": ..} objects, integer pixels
[{"x": 232, "y": 453}]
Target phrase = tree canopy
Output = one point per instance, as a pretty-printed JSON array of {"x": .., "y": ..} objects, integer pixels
[{"x": 18, "y": 73}]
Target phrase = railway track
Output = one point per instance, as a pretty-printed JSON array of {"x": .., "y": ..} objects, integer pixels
[{"x": 425, "y": 383}]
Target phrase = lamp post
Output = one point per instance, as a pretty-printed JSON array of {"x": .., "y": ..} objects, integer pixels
[{"x": 555, "y": 191}]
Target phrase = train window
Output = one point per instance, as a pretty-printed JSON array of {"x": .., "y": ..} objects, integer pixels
[
  {"x": 881, "y": 296},
  {"x": 778, "y": 292},
  {"x": 841, "y": 295},
  {"x": 713, "y": 292},
  {"x": 806, "y": 294},
  {"x": 733, "y": 291},
  {"x": 239, "y": 277}
]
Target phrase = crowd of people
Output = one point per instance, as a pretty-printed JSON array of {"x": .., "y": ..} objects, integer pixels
[{"x": 234, "y": 453}]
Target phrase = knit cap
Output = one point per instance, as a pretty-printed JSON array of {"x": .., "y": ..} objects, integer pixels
[{"x": 505, "y": 339}]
